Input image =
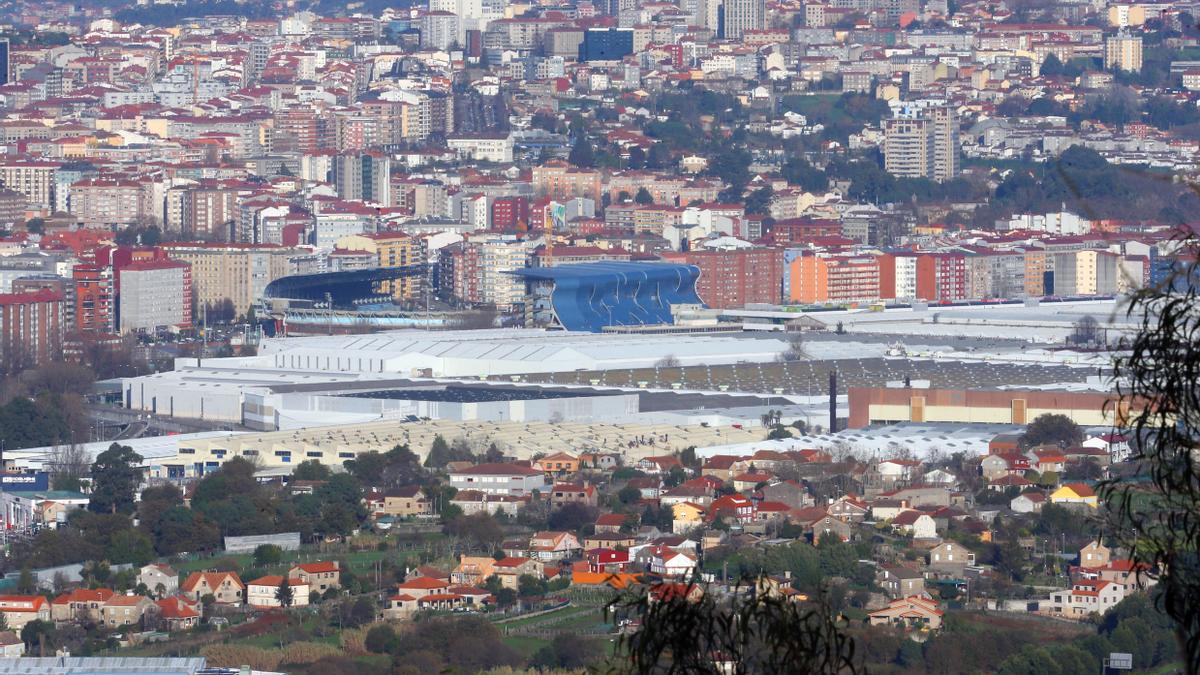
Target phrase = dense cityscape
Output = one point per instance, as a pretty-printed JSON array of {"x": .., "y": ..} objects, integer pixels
[{"x": 709, "y": 336}]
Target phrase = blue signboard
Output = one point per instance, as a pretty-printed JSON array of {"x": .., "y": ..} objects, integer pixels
[{"x": 25, "y": 482}]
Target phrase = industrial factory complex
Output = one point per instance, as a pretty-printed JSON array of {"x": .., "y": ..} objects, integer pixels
[{"x": 929, "y": 379}]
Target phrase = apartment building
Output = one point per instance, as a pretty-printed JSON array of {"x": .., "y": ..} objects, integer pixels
[
  {"x": 236, "y": 272},
  {"x": 155, "y": 295},
  {"x": 31, "y": 328},
  {"x": 832, "y": 278},
  {"x": 735, "y": 278}
]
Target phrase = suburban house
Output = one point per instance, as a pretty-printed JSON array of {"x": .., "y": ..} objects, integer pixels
[
  {"x": 405, "y": 502},
  {"x": 320, "y": 576},
  {"x": 850, "y": 508},
  {"x": 19, "y": 610},
  {"x": 509, "y": 570},
  {"x": 900, "y": 582},
  {"x": 553, "y": 545},
  {"x": 719, "y": 466},
  {"x": 419, "y": 587},
  {"x": 81, "y": 604},
  {"x": 611, "y": 522},
  {"x": 890, "y": 474},
  {"x": 660, "y": 465},
  {"x": 264, "y": 591},
  {"x": 696, "y": 494},
  {"x": 609, "y": 540},
  {"x": 917, "y": 523},
  {"x": 475, "y": 501},
  {"x": 1084, "y": 598},
  {"x": 788, "y": 492},
  {"x": 1095, "y": 554},
  {"x": 125, "y": 610},
  {"x": 226, "y": 587},
  {"x": 162, "y": 580},
  {"x": 887, "y": 509},
  {"x": 1048, "y": 459},
  {"x": 11, "y": 646},
  {"x": 1028, "y": 502},
  {"x": 1003, "y": 483},
  {"x": 607, "y": 560},
  {"x": 500, "y": 479},
  {"x": 573, "y": 493},
  {"x": 178, "y": 613},
  {"x": 735, "y": 508},
  {"x": 557, "y": 463},
  {"x": 997, "y": 466},
  {"x": 1075, "y": 493},
  {"x": 686, "y": 516},
  {"x": 950, "y": 558},
  {"x": 472, "y": 570},
  {"x": 908, "y": 612},
  {"x": 670, "y": 562},
  {"x": 745, "y": 482},
  {"x": 828, "y": 526},
  {"x": 649, "y": 486}
]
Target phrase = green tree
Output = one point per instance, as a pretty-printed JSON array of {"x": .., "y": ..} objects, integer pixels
[
  {"x": 267, "y": 554},
  {"x": 1051, "y": 66},
  {"x": 643, "y": 196},
  {"x": 582, "y": 154},
  {"x": 310, "y": 470},
  {"x": 1051, "y": 429},
  {"x": 380, "y": 639},
  {"x": 529, "y": 586},
  {"x": 285, "y": 594},
  {"x": 115, "y": 477}
]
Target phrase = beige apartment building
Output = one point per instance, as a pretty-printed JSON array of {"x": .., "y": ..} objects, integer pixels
[{"x": 238, "y": 272}]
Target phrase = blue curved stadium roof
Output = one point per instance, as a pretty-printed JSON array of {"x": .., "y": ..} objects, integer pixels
[{"x": 590, "y": 296}]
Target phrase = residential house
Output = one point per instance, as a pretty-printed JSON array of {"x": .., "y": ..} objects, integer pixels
[
  {"x": 1003, "y": 483},
  {"x": 1095, "y": 554},
  {"x": 1127, "y": 574},
  {"x": 399, "y": 606},
  {"x": 320, "y": 576},
  {"x": 476, "y": 501},
  {"x": 19, "y": 610},
  {"x": 607, "y": 560},
  {"x": 890, "y": 474},
  {"x": 694, "y": 494},
  {"x": 1048, "y": 459},
  {"x": 574, "y": 493},
  {"x": 921, "y": 495},
  {"x": 849, "y": 508},
  {"x": 668, "y": 561},
  {"x": 940, "y": 478},
  {"x": 499, "y": 479},
  {"x": 177, "y": 613},
  {"x": 916, "y": 523},
  {"x": 405, "y": 502},
  {"x": 686, "y": 516},
  {"x": 719, "y": 467},
  {"x": 660, "y": 465},
  {"x": 610, "y": 540},
  {"x": 950, "y": 559},
  {"x": 472, "y": 570},
  {"x": 557, "y": 464},
  {"x": 746, "y": 482},
  {"x": 611, "y": 522},
  {"x": 419, "y": 587},
  {"x": 11, "y": 646},
  {"x": 264, "y": 591},
  {"x": 887, "y": 509},
  {"x": 1009, "y": 464},
  {"x": 1028, "y": 502},
  {"x": 900, "y": 582},
  {"x": 734, "y": 508},
  {"x": 1075, "y": 493},
  {"x": 908, "y": 612},
  {"x": 649, "y": 486},
  {"x": 160, "y": 578},
  {"x": 125, "y": 610},
  {"x": 767, "y": 511},
  {"x": 827, "y": 526},
  {"x": 554, "y": 545},
  {"x": 510, "y": 569},
  {"x": 788, "y": 492},
  {"x": 226, "y": 587},
  {"x": 1084, "y": 598},
  {"x": 80, "y": 604}
]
